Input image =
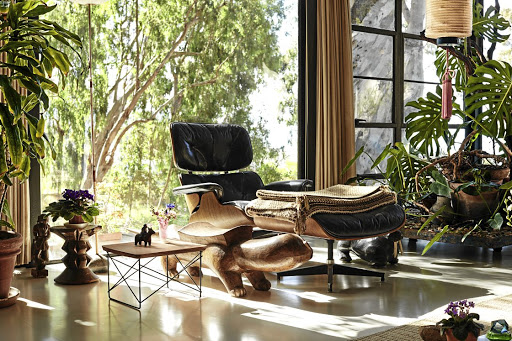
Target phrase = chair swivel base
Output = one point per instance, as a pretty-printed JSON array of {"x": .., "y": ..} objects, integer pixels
[{"x": 330, "y": 270}]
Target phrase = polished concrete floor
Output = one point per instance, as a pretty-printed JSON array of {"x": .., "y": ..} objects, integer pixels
[{"x": 296, "y": 308}]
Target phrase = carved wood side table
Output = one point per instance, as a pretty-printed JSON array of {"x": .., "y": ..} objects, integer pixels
[{"x": 76, "y": 245}]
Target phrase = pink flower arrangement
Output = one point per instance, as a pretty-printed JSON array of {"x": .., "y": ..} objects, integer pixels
[{"x": 166, "y": 215}]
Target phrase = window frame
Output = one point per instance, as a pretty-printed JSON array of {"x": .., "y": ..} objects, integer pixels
[{"x": 398, "y": 78}]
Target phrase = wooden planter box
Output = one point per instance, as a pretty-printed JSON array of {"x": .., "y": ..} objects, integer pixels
[{"x": 495, "y": 240}]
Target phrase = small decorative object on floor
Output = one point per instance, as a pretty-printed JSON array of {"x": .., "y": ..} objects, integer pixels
[
  {"x": 144, "y": 236},
  {"x": 78, "y": 207},
  {"x": 499, "y": 331},
  {"x": 431, "y": 333},
  {"x": 164, "y": 217},
  {"x": 40, "y": 247},
  {"x": 460, "y": 325},
  {"x": 378, "y": 251}
]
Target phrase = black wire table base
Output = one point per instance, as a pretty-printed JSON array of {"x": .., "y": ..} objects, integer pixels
[{"x": 138, "y": 268}]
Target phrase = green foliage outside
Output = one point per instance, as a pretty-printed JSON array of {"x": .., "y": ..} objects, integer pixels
[{"x": 199, "y": 61}]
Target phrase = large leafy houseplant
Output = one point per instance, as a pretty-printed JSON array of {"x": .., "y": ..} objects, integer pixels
[
  {"x": 414, "y": 171},
  {"x": 487, "y": 88},
  {"x": 30, "y": 61}
]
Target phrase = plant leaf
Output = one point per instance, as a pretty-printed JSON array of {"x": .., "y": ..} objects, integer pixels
[
  {"x": 496, "y": 222},
  {"x": 425, "y": 126},
  {"x": 432, "y": 217},
  {"x": 440, "y": 185},
  {"x": 490, "y": 25},
  {"x": 490, "y": 89},
  {"x": 354, "y": 159},
  {"x": 435, "y": 239}
]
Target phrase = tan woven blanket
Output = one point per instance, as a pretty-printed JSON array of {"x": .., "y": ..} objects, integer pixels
[{"x": 296, "y": 207}]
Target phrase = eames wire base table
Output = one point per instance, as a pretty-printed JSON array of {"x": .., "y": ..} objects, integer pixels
[{"x": 170, "y": 248}]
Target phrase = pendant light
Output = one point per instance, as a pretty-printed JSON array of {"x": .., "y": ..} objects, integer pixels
[{"x": 449, "y": 20}]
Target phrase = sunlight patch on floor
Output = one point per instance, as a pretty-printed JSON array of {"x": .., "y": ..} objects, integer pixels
[
  {"x": 326, "y": 324},
  {"x": 311, "y": 295},
  {"x": 85, "y": 323},
  {"x": 36, "y": 305}
]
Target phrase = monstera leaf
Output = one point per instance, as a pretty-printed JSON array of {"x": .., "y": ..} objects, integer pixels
[
  {"x": 490, "y": 90},
  {"x": 425, "y": 127},
  {"x": 489, "y": 24},
  {"x": 401, "y": 168}
]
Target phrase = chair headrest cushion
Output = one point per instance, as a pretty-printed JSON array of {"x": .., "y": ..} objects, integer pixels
[{"x": 210, "y": 147}]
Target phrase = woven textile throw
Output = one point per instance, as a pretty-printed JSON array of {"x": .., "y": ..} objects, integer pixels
[{"x": 296, "y": 207}]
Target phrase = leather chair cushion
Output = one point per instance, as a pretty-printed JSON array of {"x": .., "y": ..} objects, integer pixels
[
  {"x": 237, "y": 186},
  {"x": 210, "y": 147},
  {"x": 381, "y": 220},
  {"x": 299, "y": 185}
]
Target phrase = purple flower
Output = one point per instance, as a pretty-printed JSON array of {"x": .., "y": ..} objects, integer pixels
[
  {"x": 77, "y": 196},
  {"x": 459, "y": 309},
  {"x": 170, "y": 206}
]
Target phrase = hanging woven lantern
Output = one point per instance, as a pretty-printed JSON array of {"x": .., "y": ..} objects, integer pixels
[{"x": 449, "y": 20}]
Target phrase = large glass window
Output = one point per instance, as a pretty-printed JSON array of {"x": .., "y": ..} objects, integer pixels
[
  {"x": 392, "y": 66},
  {"x": 233, "y": 62}
]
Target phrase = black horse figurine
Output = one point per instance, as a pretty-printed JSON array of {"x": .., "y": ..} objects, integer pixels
[{"x": 144, "y": 236}]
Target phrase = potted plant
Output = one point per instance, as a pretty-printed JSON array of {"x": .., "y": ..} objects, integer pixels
[
  {"x": 164, "y": 217},
  {"x": 78, "y": 207},
  {"x": 29, "y": 59},
  {"x": 461, "y": 324},
  {"x": 474, "y": 176}
]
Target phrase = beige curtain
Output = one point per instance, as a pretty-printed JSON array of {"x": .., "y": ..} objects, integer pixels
[
  {"x": 335, "y": 131},
  {"x": 19, "y": 202}
]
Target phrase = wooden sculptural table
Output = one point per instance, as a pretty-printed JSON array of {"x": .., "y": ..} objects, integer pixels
[{"x": 76, "y": 245}]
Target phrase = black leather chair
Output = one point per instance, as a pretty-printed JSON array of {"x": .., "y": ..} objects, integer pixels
[
  {"x": 220, "y": 198},
  {"x": 220, "y": 149}
]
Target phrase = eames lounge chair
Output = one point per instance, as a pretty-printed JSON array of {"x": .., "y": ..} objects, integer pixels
[
  {"x": 216, "y": 202},
  {"x": 219, "y": 203}
]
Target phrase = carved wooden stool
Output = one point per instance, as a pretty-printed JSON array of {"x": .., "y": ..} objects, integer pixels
[{"x": 76, "y": 245}]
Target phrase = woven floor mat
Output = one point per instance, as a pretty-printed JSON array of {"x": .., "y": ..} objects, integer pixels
[{"x": 490, "y": 310}]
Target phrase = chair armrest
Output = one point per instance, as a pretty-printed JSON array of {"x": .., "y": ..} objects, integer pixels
[
  {"x": 201, "y": 188},
  {"x": 299, "y": 185}
]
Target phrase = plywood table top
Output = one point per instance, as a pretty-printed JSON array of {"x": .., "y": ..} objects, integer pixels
[{"x": 170, "y": 247}]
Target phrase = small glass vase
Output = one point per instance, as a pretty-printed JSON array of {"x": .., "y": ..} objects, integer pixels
[{"x": 162, "y": 232}]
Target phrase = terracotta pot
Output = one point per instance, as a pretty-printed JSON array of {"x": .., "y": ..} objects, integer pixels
[
  {"x": 10, "y": 247},
  {"x": 450, "y": 337},
  {"x": 497, "y": 175},
  {"x": 77, "y": 220},
  {"x": 474, "y": 206}
]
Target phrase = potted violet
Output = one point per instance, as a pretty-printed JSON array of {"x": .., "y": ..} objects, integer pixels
[
  {"x": 461, "y": 324},
  {"x": 78, "y": 207}
]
